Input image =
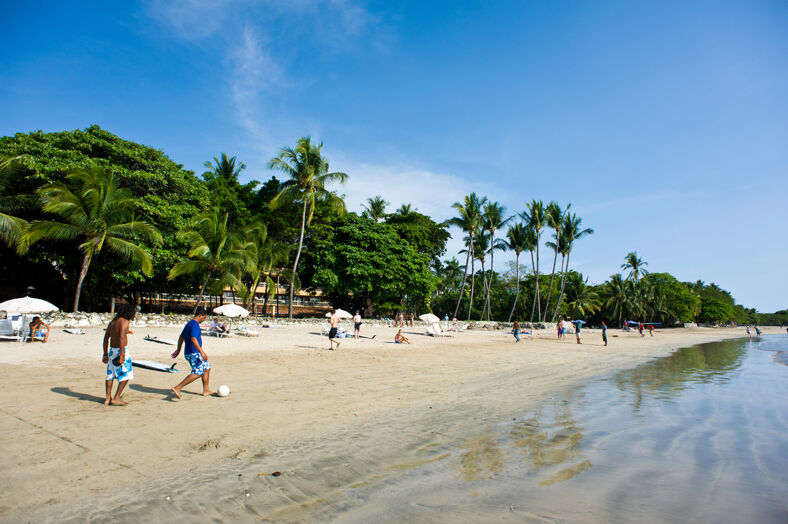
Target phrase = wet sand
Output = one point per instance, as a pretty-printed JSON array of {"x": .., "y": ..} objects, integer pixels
[{"x": 328, "y": 421}]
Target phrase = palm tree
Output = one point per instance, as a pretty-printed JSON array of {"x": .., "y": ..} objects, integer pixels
[
  {"x": 224, "y": 168},
  {"x": 480, "y": 249},
  {"x": 536, "y": 217},
  {"x": 517, "y": 241},
  {"x": 213, "y": 251},
  {"x": 468, "y": 219},
  {"x": 376, "y": 208},
  {"x": 570, "y": 233},
  {"x": 554, "y": 216},
  {"x": 263, "y": 253},
  {"x": 493, "y": 221},
  {"x": 635, "y": 265},
  {"x": 309, "y": 175},
  {"x": 405, "y": 210},
  {"x": 98, "y": 212},
  {"x": 580, "y": 297},
  {"x": 11, "y": 227},
  {"x": 620, "y": 301}
]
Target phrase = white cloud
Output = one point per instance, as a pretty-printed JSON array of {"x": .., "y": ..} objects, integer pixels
[{"x": 191, "y": 19}]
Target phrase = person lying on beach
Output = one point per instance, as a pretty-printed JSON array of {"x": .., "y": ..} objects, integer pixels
[
  {"x": 116, "y": 355},
  {"x": 399, "y": 338},
  {"x": 37, "y": 328},
  {"x": 191, "y": 338}
]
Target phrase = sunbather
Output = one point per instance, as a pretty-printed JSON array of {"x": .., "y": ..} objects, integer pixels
[
  {"x": 38, "y": 330},
  {"x": 399, "y": 338}
]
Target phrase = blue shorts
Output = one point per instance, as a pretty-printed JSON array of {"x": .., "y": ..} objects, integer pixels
[
  {"x": 199, "y": 366},
  {"x": 122, "y": 372}
]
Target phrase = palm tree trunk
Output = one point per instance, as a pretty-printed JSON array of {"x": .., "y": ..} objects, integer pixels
[
  {"x": 462, "y": 287},
  {"x": 484, "y": 282},
  {"x": 473, "y": 281},
  {"x": 82, "y": 273},
  {"x": 536, "y": 272},
  {"x": 550, "y": 291},
  {"x": 517, "y": 276},
  {"x": 536, "y": 283},
  {"x": 563, "y": 281},
  {"x": 295, "y": 265},
  {"x": 202, "y": 290},
  {"x": 492, "y": 272},
  {"x": 561, "y": 270}
]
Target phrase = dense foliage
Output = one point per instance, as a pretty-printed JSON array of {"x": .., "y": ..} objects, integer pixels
[{"x": 179, "y": 232}]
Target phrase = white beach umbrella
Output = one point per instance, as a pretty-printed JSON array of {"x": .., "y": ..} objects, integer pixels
[
  {"x": 429, "y": 318},
  {"x": 231, "y": 310},
  {"x": 341, "y": 313},
  {"x": 27, "y": 305}
]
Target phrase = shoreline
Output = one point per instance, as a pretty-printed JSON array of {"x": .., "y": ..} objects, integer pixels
[{"x": 292, "y": 405}]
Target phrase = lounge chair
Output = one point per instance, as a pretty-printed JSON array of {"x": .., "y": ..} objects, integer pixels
[
  {"x": 246, "y": 332},
  {"x": 211, "y": 332},
  {"x": 8, "y": 331},
  {"x": 325, "y": 328},
  {"x": 430, "y": 331},
  {"x": 438, "y": 331}
]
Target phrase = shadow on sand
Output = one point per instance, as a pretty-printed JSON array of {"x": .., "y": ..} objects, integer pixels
[{"x": 81, "y": 396}]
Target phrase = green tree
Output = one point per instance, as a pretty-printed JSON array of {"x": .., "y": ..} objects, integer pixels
[
  {"x": 365, "y": 259},
  {"x": 98, "y": 212},
  {"x": 682, "y": 303},
  {"x": 554, "y": 216},
  {"x": 224, "y": 188},
  {"x": 375, "y": 208},
  {"x": 11, "y": 201},
  {"x": 518, "y": 241},
  {"x": 309, "y": 174},
  {"x": 494, "y": 218},
  {"x": 619, "y": 299},
  {"x": 570, "y": 233},
  {"x": 536, "y": 217},
  {"x": 421, "y": 232},
  {"x": 468, "y": 219},
  {"x": 635, "y": 265},
  {"x": 213, "y": 252},
  {"x": 581, "y": 299}
]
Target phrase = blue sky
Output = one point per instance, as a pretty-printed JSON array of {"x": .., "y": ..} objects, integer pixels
[{"x": 664, "y": 123}]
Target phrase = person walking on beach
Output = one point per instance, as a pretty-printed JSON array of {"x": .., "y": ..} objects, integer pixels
[
  {"x": 651, "y": 329},
  {"x": 332, "y": 333},
  {"x": 401, "y": 319},
  {"x": 604, "y": 333},
  {"x": 191, "y": 338},
  {"x": 578, "y": 325},
  {"x": 116, "y": 355},
  {"x": 356, "y": 325},
  {"x": 749, "y": 335},
  {"x": 757, "y": 331},
  {"x": 558, "y": 329},
  {"x": 640, "y": 329},
  {"x": 516, "y": 331},
  {"x": 563, "y": 328}
]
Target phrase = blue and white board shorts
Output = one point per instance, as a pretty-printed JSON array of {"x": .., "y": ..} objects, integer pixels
[
  {"x": 199, "y": 366},
  {"x": 123, "y": 372}
]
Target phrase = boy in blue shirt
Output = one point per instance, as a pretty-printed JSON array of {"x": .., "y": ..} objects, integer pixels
[{"x": 191, "y": 337}]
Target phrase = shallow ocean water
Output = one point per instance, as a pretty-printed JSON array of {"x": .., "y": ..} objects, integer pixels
[{"x": 698, "y": 436}]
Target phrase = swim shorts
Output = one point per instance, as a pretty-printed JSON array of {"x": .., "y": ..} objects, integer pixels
[
  {"x": 39, "y": 334},
  {"x": 332, "y": 333},
  {"x": 357, "y": 325},
  {"x": 122, "y": 372},
  {"x": 199, "y": 366}
]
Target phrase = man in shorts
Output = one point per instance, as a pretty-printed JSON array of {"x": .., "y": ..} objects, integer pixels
[
  {"x": 604, "y": 333},
  {"x": 578, "y": 327},
  {"x": 332, "y": 333},
  {"x": 191, "y": 338},
  {"x": 116, "y": 355}
]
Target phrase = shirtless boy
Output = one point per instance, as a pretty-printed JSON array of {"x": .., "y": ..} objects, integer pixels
[
  {"x": 116, "y": 355},
  {"x": 332, "y": 333},
  {"x": 399, "y": 338},
  {"x": 191, "y": 336}
]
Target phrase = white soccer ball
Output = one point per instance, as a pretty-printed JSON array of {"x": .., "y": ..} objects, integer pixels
[{"x": 223, "y": 390}]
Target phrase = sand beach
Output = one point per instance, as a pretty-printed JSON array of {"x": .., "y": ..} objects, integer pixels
[{"x": 325, "y": 421}]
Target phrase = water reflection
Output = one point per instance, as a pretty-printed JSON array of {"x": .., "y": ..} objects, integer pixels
[
  {"x": 668, "y": 377},
  {"x": 550, "y": 442}
]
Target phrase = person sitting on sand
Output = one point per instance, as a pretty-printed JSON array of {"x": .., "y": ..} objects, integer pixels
[
  {"x": 37, "y": 328},
  {"x": 219, "y": 327},
  {"x": 194, "y": 353},
  {"x": 116, "y": 355},
  {"x": 399, "y": 338}
]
